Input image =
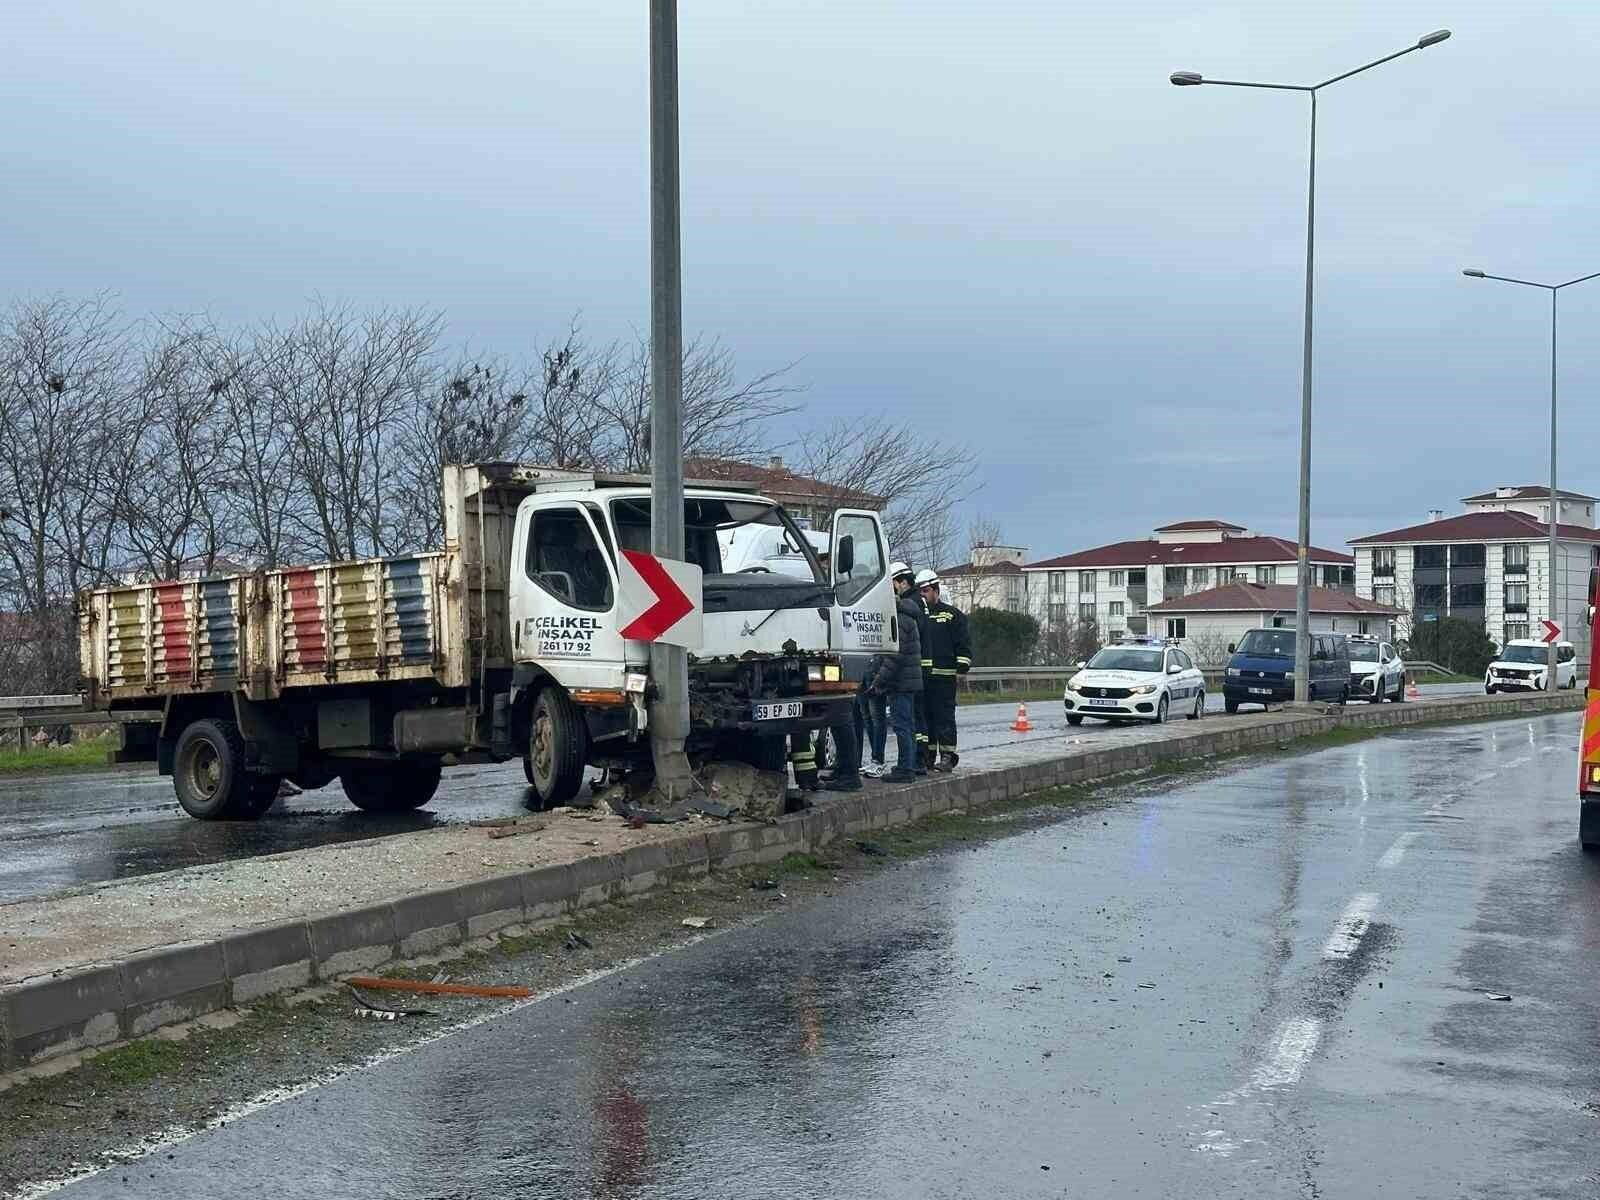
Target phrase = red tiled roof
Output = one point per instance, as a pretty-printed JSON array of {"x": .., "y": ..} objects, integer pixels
[
  {"x": 779, "y": 479},
  {"x": 1480, "y": 527},
  {"x": 1272, "y": 597},
  {"x": 1528, "y": 491},
  {"x": 1240, "y": 551},
  {"x": 1191, "y": 526},
  {"x": 999, "y": 568}
]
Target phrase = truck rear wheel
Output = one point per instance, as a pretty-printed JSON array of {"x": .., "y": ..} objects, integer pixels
[
  {"x": 558, "y": 745},
  {"x": 209, "y": 775},
  {"x": 390, "y": 787}
]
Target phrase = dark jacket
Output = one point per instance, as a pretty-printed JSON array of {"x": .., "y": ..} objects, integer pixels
[
  {"x": 902, "y": 671},
  {"x": 946, "y": 649}
]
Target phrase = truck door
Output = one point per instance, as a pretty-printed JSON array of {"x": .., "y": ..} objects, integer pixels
[
  {"x": 861, "y": 619},
  {"x": 564, "y": 595}
]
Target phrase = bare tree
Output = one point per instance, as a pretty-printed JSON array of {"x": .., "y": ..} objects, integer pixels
[
  {"x": 1208, "y": 648},
  {"x": 919, "y": 477}
]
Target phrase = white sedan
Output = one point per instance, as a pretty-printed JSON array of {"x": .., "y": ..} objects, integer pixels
[{"x": 1139, "y": 682}]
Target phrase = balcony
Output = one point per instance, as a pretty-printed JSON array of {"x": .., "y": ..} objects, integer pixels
[{"x": 1137, "y": 596}]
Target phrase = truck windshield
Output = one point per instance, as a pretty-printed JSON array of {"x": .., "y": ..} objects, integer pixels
[
  {"x": 1268, "y": 643},
  {"x": 1527, "y": 654},
  {"x": 1363, "y": 652},
  {"x": 704, "y": 518}
]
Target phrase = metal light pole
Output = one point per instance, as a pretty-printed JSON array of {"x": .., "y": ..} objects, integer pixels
[
  {"x": 669, "y": 665},
  {"x": 1302, "y": 616},
  {"x": 1555, "y": 504}
]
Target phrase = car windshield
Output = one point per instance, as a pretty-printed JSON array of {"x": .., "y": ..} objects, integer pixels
[
  {"x": 1268, "y": 643},
  {"x": 1126, "y": 658},
  {"x": 704, "y": 518},
  {"x": 1363, "y": 652},
  {"x": 1527, "y": 654}
]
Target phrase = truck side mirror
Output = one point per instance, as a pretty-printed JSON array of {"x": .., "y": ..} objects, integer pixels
[
  {"x": 844, "y": 556},
  {"x": 1232, "y": 649}
]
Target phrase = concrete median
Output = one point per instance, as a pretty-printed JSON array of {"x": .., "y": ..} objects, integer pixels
[{"x": 86, "y": 970}]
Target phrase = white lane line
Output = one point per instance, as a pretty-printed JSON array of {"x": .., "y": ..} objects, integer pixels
[
  {"x": 1351, "y": 926},
  {"x": 1393, "y": 855},
  {"x": 1292, "y": 1048}
]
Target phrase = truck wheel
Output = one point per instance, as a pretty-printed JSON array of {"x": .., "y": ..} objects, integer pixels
[
  {"x": 312, "y": 776},
  {"x": 259, "y": 797},
  {"x": 390, "y": 787},
  {"x": 557, "y": 748},
  {"x": 208, "y": 772},
  {"x": 1230, "y": 705},
  {"x": 768, "y": 753},
  {"x": 1589, "y": 825}
]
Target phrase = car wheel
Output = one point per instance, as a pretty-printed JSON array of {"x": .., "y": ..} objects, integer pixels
[
  {"x": 1161, "y": 712},
  {"x": 1074, "y": 719},
  {"x": 1199, "y": 707},
  {"x": 1230, "y": 705}
]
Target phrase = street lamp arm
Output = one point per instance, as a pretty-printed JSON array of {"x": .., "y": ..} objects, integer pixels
[
  {"x": 1524, "y": 282},
  {"x": 1277, "y": 87},
  {"x": 1377, "y": 62},
  {"x": 1581, "y": 279}
]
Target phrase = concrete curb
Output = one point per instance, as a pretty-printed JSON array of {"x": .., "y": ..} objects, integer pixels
[{"x": 105, "y": 1003}]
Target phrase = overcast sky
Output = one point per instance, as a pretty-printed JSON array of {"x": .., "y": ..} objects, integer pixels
[{"x": 996, "y": 218}]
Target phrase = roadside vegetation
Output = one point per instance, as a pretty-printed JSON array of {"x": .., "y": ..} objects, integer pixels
[{"x": 86, "y": 754}]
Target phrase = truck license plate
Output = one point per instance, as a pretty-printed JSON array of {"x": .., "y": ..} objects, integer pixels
[
  {"x": 781, "y": 710},
  {"x": 1261, "y": 691}
]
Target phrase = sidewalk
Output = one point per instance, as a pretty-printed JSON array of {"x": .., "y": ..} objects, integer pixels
[{"x": 120, "y": 960}]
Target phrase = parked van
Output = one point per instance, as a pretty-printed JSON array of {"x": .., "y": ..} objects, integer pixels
[{"x": 1261, "y": 669}]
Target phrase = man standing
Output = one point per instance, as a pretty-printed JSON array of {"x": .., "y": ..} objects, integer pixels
[
  {"x": 900, "y": 574},
  {"x": 899, "y": 676},
  {"x": 947, "y": 654}
]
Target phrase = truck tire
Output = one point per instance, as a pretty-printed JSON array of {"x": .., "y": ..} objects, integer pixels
[
  {"x": 558, "y": 746},
  {"x": 312, "y": 776},
  {"x": 208, "y": 773},
  {"x": 1589, "y": 825},
  {"x": 768, "y": 753},
  {"x": 390, "y": 787}
]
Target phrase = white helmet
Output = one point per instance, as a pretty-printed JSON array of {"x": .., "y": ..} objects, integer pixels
[
  {"x": 897, "y": 569},
  {"x": 927, "y": 578}
]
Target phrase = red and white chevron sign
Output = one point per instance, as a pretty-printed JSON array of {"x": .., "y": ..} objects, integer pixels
[{"x": 659, "y": 600}]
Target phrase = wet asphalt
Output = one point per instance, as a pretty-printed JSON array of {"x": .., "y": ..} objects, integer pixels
[
  {"x": 1270, "y": 982},
  {"x": 59, "y": 832}
]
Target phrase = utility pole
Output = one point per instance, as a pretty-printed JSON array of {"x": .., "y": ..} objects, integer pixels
[{"x": 669, "y": 665}]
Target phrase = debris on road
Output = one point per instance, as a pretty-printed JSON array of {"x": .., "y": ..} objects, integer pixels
[
  {"x": 576, "y": 941},
  {"x": 496, "y": 992},
  {"x": 697, "y": 922},
  {"x": 516, "y": 827},
  {"x": 869, "y": 848},
  {"x": 1496, "y": 996}
]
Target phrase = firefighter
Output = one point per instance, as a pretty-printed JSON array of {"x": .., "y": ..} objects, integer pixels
[
  {"x": 905, "y": 587},
  {"x": 946, "y": 655}
]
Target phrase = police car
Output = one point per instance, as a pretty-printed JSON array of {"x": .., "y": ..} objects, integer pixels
[
  {"x": 1377, "y": 672},
  {"x": 1522, "y": 664},
  {"x": 1136, "y": 681}
]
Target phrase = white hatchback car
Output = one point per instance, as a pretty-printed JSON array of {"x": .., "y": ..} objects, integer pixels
[
  {"x": 1138, "y": 681},
  {"x": 1521, "y": 666},
  {"x": 1377, "y": 673}
]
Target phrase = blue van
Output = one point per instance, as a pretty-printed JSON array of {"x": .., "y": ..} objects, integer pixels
[{"x": 1261, "y": 669}]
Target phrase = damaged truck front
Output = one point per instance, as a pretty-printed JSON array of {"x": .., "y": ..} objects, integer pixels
[{"x": 504, "y": 643}]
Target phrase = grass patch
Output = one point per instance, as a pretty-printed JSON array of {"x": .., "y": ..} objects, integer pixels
[
  {"x": 135, "y": 1062},
  {"x": 1435, "y": 677},
  {"x": 1028, "y": 697},
  {"x": 89, "y": 754}
]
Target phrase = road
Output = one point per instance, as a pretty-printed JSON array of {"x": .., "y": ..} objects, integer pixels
[
  {"x": 60, "y": 832},
  {"x": 1270, "y": 982}
]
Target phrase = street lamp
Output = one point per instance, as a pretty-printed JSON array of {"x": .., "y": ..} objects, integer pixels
[
  {"x": 1302, "y": 652},
  {"x": 1555, "y": 503}
]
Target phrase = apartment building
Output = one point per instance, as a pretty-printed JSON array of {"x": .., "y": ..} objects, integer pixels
[
  {"x": 1115, "y": 585},
  {"x": 1490, "y": 565}
]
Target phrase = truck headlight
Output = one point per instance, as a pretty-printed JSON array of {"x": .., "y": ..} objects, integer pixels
[
  {"x": 830, "y": 672},
  {"x": 814, "y": 672}
]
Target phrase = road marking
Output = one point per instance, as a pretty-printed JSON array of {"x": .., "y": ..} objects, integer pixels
[
  {"x": 1292, "y": 1048},
  {"x": 1393, "y": 855},
  {"x": 1351, "y": 926}
]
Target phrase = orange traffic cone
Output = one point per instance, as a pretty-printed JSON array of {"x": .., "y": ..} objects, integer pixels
[
  {"x": 1021, "y": 724},
  {"x": 1413, "y": 692}
]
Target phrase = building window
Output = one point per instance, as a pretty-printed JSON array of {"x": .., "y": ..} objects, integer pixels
[
  {"x": 1136, "y": 579},
  {"x": 1383, "y": 593},
  {"x": 1266, "y": 574},
  {"x": 1115, "y": 579},
  {"x": 1058, "y": 582},
  {"x": 1427, "y": 558},
  {"x": 1199, "y": 578},
  {"x": 1383, "y": 561},
  {"x": 1430, "y": 595},
  {"x": 1516, "y": 596},
  {"x": 1516, "y": 560},
  {"x": 1086, "y": 613},
  {"x": 1086, "y": 582},
  {"x": 1515, "y": 630},
  {"x": 1058, "y": 614},
  {"x": 1594, "y": 555},
  {"x": 1361, "y": 626},
  {"x": 1177, "y": 627},
  {"x": 1467, "y": 556},
  {"x": 1279, "y": 622},
  {"x": 1116, "y": 608},
  {"x": 1466, "y": 595}
]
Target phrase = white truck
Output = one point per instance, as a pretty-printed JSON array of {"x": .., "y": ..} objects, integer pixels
[{"x": 504, "y": 643}]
